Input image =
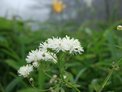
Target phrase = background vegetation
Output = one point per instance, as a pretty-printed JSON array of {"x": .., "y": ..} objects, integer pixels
[{"x": 102, "y": 45}]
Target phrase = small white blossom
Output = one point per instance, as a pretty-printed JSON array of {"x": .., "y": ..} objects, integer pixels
[
  {"x": 48, "y": 56},
  {"x": 71, "y": 45},
  {"x": 38, "y": 55},
  {"x": 43, "y": 46},
  {"x": 52, "y": 43},
  {"x": 33, "y": 56},
  {"x": 64, "y": 76},
  {"x": 25, "y": 70},
  {"x": 53, "y": 79}
]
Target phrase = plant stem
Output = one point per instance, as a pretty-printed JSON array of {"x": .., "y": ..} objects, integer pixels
[
  {"x": 115, "y": 67},
  {"x": 61, "y": 66},
  {"x": 31, "y": 83},
  {"x": 106, "y": 80},
  {"x": 69, "y": 84}
]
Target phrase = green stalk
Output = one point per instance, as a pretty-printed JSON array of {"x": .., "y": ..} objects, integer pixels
[
  {"x": 115, "y": 67},
  {"x": 31, "y": 83},
  {"x": 106, "y": 80},
  {"x": 61, "y": 66},
  {"x": 69, "y": 84}
]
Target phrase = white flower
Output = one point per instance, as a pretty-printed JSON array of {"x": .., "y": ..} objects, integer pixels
[
  {"x": 32, "y": 56},
  {"x": 48, "y": 56},
  {"x": 71, "y": 45},
  {"x": 25, "y": 70},
  {"x": 52, "y": 43},
  {"x": 65, "y": 44},
  {"x": 38, "y": 55},
  {"x": 43, "y": 46}
]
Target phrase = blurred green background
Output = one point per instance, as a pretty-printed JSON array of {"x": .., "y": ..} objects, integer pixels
[{"x": 95, "y": 29}]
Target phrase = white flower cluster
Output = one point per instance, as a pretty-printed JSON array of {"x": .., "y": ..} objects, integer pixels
[
  {"x": 33, "y": 59},
  {"x": 65, "y": 44}
]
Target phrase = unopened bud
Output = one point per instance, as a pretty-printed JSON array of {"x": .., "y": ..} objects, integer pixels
[
  {"x": 119, "y": 27},
  {"x": 31, "y": 79}
]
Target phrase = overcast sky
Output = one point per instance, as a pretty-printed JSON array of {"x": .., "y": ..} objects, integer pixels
[{"x": 22, "y": 8}]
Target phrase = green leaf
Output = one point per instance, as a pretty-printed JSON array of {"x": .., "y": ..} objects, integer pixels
[
  {"x": 41, "y": 78},
  {"x": 29, "y": 90},
  {"x": 12, "y": 84},
  {"x": 14, "y": 64},
  {"x": 94, "y": 86},
  {"x": 80, "y": 74}
]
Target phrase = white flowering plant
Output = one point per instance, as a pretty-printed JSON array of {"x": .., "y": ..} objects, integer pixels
[{"x": 57, "y": 51}]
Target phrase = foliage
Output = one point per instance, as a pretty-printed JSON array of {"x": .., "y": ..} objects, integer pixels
[{"x": 88, "y": 71}]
